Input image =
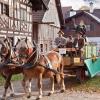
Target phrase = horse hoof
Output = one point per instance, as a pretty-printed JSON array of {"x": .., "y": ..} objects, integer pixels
[
  {"x": 28, "y": 96},
  {"x": 62, "y": 91},
  {"x": 12, "y": 95},
  {"x": 50, "y": 93},
  {"x": 38, "y": 98}
]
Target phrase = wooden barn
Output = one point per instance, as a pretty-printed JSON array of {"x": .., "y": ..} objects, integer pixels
[
  {"x": 46, "y": 24},
  {"x": 16, "y": 18}
]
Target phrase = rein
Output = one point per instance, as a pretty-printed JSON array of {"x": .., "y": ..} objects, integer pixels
[{"x": 31, "y": 56}]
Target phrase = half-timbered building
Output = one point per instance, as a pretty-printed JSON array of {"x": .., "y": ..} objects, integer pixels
[{"x": 16, "y": 17}]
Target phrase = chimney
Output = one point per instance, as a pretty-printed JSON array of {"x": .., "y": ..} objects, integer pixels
[
  {"x": 72, "y": 12},
  {"x": 91, "y": 7}
]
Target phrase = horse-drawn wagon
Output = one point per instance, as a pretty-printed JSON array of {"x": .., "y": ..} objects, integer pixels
[
  {"x": 76, "y": 63},
  {"x": 38, "y": 66}
]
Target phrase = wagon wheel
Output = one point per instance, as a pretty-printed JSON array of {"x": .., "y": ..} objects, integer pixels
[{"x": 80, "y": 74}]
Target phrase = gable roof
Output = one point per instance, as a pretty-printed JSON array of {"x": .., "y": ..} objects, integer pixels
[
  {"x": 84, "y": 13},
  {"x": 38, "y": 15},
  {"x": 93, "y": 16}
]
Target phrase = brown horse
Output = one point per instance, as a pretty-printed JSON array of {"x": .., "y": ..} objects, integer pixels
[
  {"x": 44, "y": 66},
  {"x": 5, "y": 53},
  {"x": 7, "y": 67}
]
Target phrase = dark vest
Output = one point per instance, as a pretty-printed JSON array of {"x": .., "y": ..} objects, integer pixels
[{"x": 80, "y": 42}]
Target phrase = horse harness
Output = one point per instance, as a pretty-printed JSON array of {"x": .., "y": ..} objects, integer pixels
[{"x": 35, "y": 63}]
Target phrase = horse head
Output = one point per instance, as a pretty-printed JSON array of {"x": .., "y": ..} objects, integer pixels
[{"x": 24, "y": 49}]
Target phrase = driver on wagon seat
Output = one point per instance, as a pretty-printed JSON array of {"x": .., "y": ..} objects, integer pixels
[{"x": 60, "y": 41}]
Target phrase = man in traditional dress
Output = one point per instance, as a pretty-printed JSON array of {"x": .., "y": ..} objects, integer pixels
[
  {"x": 79, "y": 43},
  {"x": 60, "y": 41}
]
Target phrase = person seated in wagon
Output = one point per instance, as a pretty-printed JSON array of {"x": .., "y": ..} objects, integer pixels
[
  {"x": 60, "y": 41},
  {"x": 79, "y": 42},
  {"x": 70, "y": 41},
  {"x": 69, "y": 46}
]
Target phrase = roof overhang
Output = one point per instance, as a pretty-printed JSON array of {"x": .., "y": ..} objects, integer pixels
[
  {"x": 67, "y": 20},
  {"x": 38, "y": 5},
  {"x": 43, "y": 22}
]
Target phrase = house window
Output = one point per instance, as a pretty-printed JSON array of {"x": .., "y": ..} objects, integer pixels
[
  {"x": 70, "y": 27},
  {"x": 88, "y": 28},
  {"x": 92, "y": 27},
  {"x": 4, "y": 8},
  {"x": 23, "y": 14}
]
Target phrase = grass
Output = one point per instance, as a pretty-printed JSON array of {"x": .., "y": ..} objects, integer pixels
[
  {"x": 91, "y": 85},
  {"x": 14, "y": 78}
]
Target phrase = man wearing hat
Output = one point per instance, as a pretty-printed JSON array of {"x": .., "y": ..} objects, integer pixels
[
  {"x": 60, "y": 41},
  {"x": 79, "y": 43}
]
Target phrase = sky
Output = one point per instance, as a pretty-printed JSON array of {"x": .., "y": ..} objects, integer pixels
[{"x": 76, "y": 4}]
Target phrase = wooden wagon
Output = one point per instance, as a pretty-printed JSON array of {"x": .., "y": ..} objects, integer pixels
[{"x": 74, "y": 63}]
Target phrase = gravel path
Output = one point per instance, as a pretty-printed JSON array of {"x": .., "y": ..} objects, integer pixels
[{"x": 68, "y": 95}]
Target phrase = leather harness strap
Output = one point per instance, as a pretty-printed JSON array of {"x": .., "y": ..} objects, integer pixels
[{"x": 53, "y": 70}]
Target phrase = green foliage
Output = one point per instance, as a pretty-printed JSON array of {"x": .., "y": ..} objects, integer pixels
[
  {"x": 14, "y": 78},
  {"x": 1, "y": 80},
  {"x": 17, "y": 77}
]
